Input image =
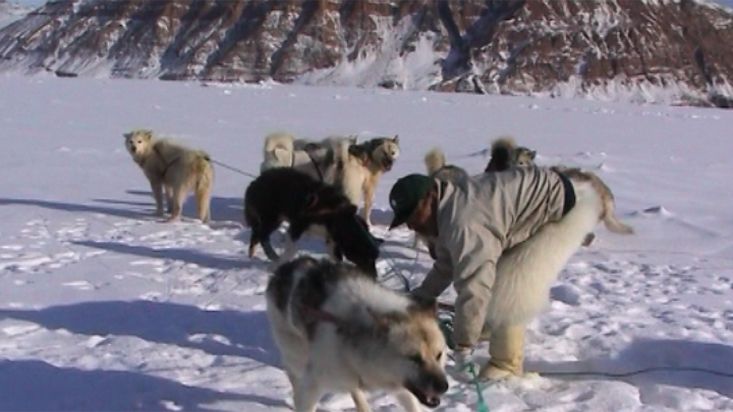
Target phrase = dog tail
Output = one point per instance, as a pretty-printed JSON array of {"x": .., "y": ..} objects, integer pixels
[
  {"x": 278, "y": 150},
  {"x": 609, "y": 208},
  {"x": 609, "y": 218},
  {"x": 434, "y": 160},
  {"x": 502, "y": 150},
  {"x": 608, "y": 204}
]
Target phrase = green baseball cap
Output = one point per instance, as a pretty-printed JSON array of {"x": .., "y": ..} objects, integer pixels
[{"x": 405, "y": 196}]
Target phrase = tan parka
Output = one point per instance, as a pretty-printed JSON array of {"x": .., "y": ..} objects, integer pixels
[{"x": 477, "y": 220}]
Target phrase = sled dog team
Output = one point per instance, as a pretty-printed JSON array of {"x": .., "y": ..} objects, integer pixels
[{"x": 500, "y": 238}]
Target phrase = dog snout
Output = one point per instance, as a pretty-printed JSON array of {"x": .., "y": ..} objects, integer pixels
[
  {"x": 435, "y": 382},
  {"x": 428, "y": 388},
  {"x": 440, "y": 384}
]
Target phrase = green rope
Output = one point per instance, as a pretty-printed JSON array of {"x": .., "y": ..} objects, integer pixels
[
  {"x": 481, "y": 405},
  {"x": 446, "y": 326}
]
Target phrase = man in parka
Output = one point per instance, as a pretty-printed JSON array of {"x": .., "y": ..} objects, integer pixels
[{"x": 472, "y": 223}]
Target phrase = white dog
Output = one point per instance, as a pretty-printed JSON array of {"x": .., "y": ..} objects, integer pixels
[
  {"x": 525, "y": 273},
  {"x": 175, "y": 169},
  {"x": 340, "y": 331}
]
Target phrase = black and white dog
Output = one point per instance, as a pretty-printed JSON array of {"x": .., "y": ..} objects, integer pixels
[
  {"x": 285, "y": 194},
  {"x": 340, "y": 331}
]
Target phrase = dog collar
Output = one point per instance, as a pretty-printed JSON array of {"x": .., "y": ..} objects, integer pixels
[
  {"x": 168, "y": 165},
  {"x": 319, "y": 315}
]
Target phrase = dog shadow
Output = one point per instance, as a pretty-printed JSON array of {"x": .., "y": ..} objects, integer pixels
[
  {"x": 226, "y": 209},
  {"x": 78, "y": 208},
  {"x": 223, "y": 209},
  {"x": 33, "y": 385},
  {"x": 225, "y": 332},
  {"x": 688, "y": 356},
  {"x": 223, "y": 262}
]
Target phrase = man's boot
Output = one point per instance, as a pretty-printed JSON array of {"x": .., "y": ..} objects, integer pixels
[{"x": 507, "y": 353}]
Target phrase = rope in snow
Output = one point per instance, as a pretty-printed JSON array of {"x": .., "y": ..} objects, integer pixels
[
  {"x": 393, "y": 269},
  {"x": 233, "y": 169},
  {"x": 405, "y": 279},
  {"x": 639, "y": 372}
]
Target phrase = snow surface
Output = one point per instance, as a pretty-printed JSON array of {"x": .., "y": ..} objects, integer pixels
[
  {"x": 10, "y": 12},
  {"x": 104, "y": 307}
]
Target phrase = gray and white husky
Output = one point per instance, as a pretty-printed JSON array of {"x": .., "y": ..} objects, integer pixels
[
  {"x": 338, "y": 160},
  {"x": 321, "y": 160},
  {"x": 340, "y": 331}
]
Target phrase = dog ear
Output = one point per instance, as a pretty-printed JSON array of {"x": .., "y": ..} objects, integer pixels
[
  {"x": 127, "y": 135},
  {"x": 311, "y": 201},
  {"x": 532, "y": 154},
  {"x": 396, "y": 139}
]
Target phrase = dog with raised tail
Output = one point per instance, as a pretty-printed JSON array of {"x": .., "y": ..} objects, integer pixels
[
  {"x": 173, "y": 170},
  {"x": 505, "y": 154},
  {"x": 438, "y": 168},
  {"x": 338, "y": 331}
]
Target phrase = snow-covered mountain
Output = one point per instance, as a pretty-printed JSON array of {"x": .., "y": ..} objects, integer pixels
[{"x": 672, "y": 51}]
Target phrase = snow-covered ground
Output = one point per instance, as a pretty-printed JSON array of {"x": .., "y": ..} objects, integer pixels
[
  {"x": 10, "y": 12},
  {"x": 104, "y": 307}
]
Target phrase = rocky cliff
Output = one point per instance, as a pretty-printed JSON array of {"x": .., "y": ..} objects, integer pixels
[{"x": 673, "y": 51}]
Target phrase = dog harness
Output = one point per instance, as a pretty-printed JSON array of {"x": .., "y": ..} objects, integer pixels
[
  {"x": 309, "y": 151},
  {"x": 569, "y": 192},
  {"x": 162, "y": 159},
  {"x": 319, "y": 315}
]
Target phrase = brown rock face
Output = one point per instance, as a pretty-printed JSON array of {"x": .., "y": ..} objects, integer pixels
[{"x": 674, "y": 51}]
